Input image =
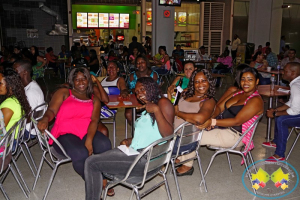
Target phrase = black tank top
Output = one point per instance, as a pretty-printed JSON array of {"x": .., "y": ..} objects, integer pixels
[{"x": 231, "y": 113}]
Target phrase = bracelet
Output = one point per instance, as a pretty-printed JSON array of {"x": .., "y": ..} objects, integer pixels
[{"x": 213, "y": 122}]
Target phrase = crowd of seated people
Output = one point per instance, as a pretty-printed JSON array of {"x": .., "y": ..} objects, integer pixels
[{"x": 78, "y": 105}]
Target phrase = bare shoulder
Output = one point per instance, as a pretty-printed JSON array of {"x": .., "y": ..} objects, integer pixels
[{"x": 164, "y": 102}]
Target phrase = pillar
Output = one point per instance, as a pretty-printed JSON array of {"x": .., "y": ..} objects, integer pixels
[
  {"x": 162, "y": 28},
  {"x": 143, "y": 20},
  {"x": 265, "y": 19},
  {"x": 70, "y": 27}
]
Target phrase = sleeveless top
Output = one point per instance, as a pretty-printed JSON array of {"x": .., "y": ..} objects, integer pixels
[
  {"x": 248, "y": 123},
  {"x": 145, "y": 133},
  {"x": 73, "y": 116},
  {"x": 187, "y": 107},
  {"x": 185, "y": 82},
  {"x": 231, "y": 112},
  {"x": 131, "y": 84},
  {"x": 167, "y": 64},
  {"x": 110, "y": 87}
]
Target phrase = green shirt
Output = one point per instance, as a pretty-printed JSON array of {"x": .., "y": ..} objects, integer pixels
[
  {"x": 185, "y": 82},
  {"x": 145, "y": 133},
  {"x": 13, "y": 104}
]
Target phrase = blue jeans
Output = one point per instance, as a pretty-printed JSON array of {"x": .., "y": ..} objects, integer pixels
[
  {"x": 281, "y": 134},
  {"x": 113, "y": 162},
  {"x": 75, "y": 148}
]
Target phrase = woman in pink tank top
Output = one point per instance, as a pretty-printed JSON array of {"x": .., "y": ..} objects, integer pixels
[{"x": 76, "y": 111}]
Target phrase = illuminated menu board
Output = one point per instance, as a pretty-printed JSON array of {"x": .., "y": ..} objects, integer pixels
[
  {"x": 103, "y": 20},
  {"x": 93, "y": 20},
  {"x": 124, "y": 20},
  {"x": 113, "y": 20},
  {"x": 81, "y": 20}
]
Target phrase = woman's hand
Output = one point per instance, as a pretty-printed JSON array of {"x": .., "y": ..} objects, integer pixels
[
  {"x": 126, "y": 142},
  {"x": 151, "y": 107},
  {"x": 270, "y": 113},
  {"x": 171, "y": 89},
  {"x": 124, "y": 94},
  {"x": 94, "y": 79},
  {"x": 206, "y": 125},
  {"x": 42, "y": 124},
  {"x": 89, "y": 145}
]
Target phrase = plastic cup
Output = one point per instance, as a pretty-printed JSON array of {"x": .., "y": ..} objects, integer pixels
[{"x": 269, "y": 69}]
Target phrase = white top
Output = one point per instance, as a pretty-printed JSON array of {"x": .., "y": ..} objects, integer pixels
[
  {"x": 35, "y": 98},
  {"x": 204, "y": 57},
  {"x": 107, "y": 84},
  {"x": 235, "y": 44},
  {"x": 294, "y": 103},
  {"x": 287, "y": 60}
]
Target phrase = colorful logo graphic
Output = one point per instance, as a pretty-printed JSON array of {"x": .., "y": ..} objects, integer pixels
[
  {"x": 260, "y": 179},
  {"x": 270, "y": 180}
]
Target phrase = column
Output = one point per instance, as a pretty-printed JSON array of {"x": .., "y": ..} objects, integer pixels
[
  {"x": 162, "y": 28},
  {"x": 265, "y": 19},
  {"x": 143, "y": 20},
  {"x": 70, "y": 27}
]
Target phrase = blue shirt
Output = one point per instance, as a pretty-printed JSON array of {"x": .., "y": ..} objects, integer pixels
[
  {"x": 62, "y": 55},
  {"x": 272, "y": 59},
  {"x": 131, "y": 84}
]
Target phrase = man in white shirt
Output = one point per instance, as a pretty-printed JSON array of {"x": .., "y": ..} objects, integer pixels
[
  {"x": 234, "y": 46},
  {"x": 291, "y": 58},
  {"x": 33, "y": 91},
  {"x": 287, "y": 115}
]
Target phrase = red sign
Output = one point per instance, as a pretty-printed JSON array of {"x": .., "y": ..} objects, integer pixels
[{"x": 167, "y": 13}]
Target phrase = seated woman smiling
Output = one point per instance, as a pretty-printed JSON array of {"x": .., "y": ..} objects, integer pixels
[
  {"x": 155, "y": 122},
  {"x": 196, "y": 107},
  {"x": 239, "y": 111}
]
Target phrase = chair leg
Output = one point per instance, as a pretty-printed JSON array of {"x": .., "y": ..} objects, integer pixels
[
  {"x": 201, "y": 171},
  {"x": 126, "y": 126},
  {"x": 50, "y": 182},
  {"x": 20, "y": 174},
  {"x": 3, "y": 191},
  {"x": 287, "y": 157},
  {"x": 175, "y": 178},
  {"x": 131, "y": 194},
  {"x": 39, "y": 170},
  {"x": 252, "y": 161},
  {"x": 248, "y": 173},
  {"x": 22, "y": 150},
  {"x": 105, "y": 192},
  {"x": 167, "y": 187},
  {"x": 19, "y": 183},
  {"x": 209, "y": 165},
  {"x": 114, "y": 124},
  {"x": 290, "y": 133},
  {"x": 137, "y": 194},
  {"x": 229, "y": 162},
  {"x": 30, "y": 155}
]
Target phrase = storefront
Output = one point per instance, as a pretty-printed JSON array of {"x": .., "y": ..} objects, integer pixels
[
  {"x": 98, "y": 25},
  {"x": 186, "y": 24}
]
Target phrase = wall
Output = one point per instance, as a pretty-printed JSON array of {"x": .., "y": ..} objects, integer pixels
[
  {"x": 35, "y": 19},
  {"x": 240, "y": 19}
]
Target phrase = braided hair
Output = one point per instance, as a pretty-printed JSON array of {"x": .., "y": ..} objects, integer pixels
[{"x": 153, "y": 92}]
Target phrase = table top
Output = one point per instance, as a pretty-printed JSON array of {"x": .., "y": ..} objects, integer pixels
[
  {"x": 264, "y": 90},
  {"x": 117, "y": 98},
  {"x": 271, "y": 72}
]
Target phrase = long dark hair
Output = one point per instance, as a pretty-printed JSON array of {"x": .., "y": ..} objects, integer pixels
[
  {"x": 86, "y": 73},
  {"x": 153, "y": 92},
  {"x": 191, "y": 88},
  {"x": 15, "y": 88},
  {"x": 35, "y": 55}
]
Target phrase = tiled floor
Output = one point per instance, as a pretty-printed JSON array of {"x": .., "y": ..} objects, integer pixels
[{"x": 221, "y": 183}]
